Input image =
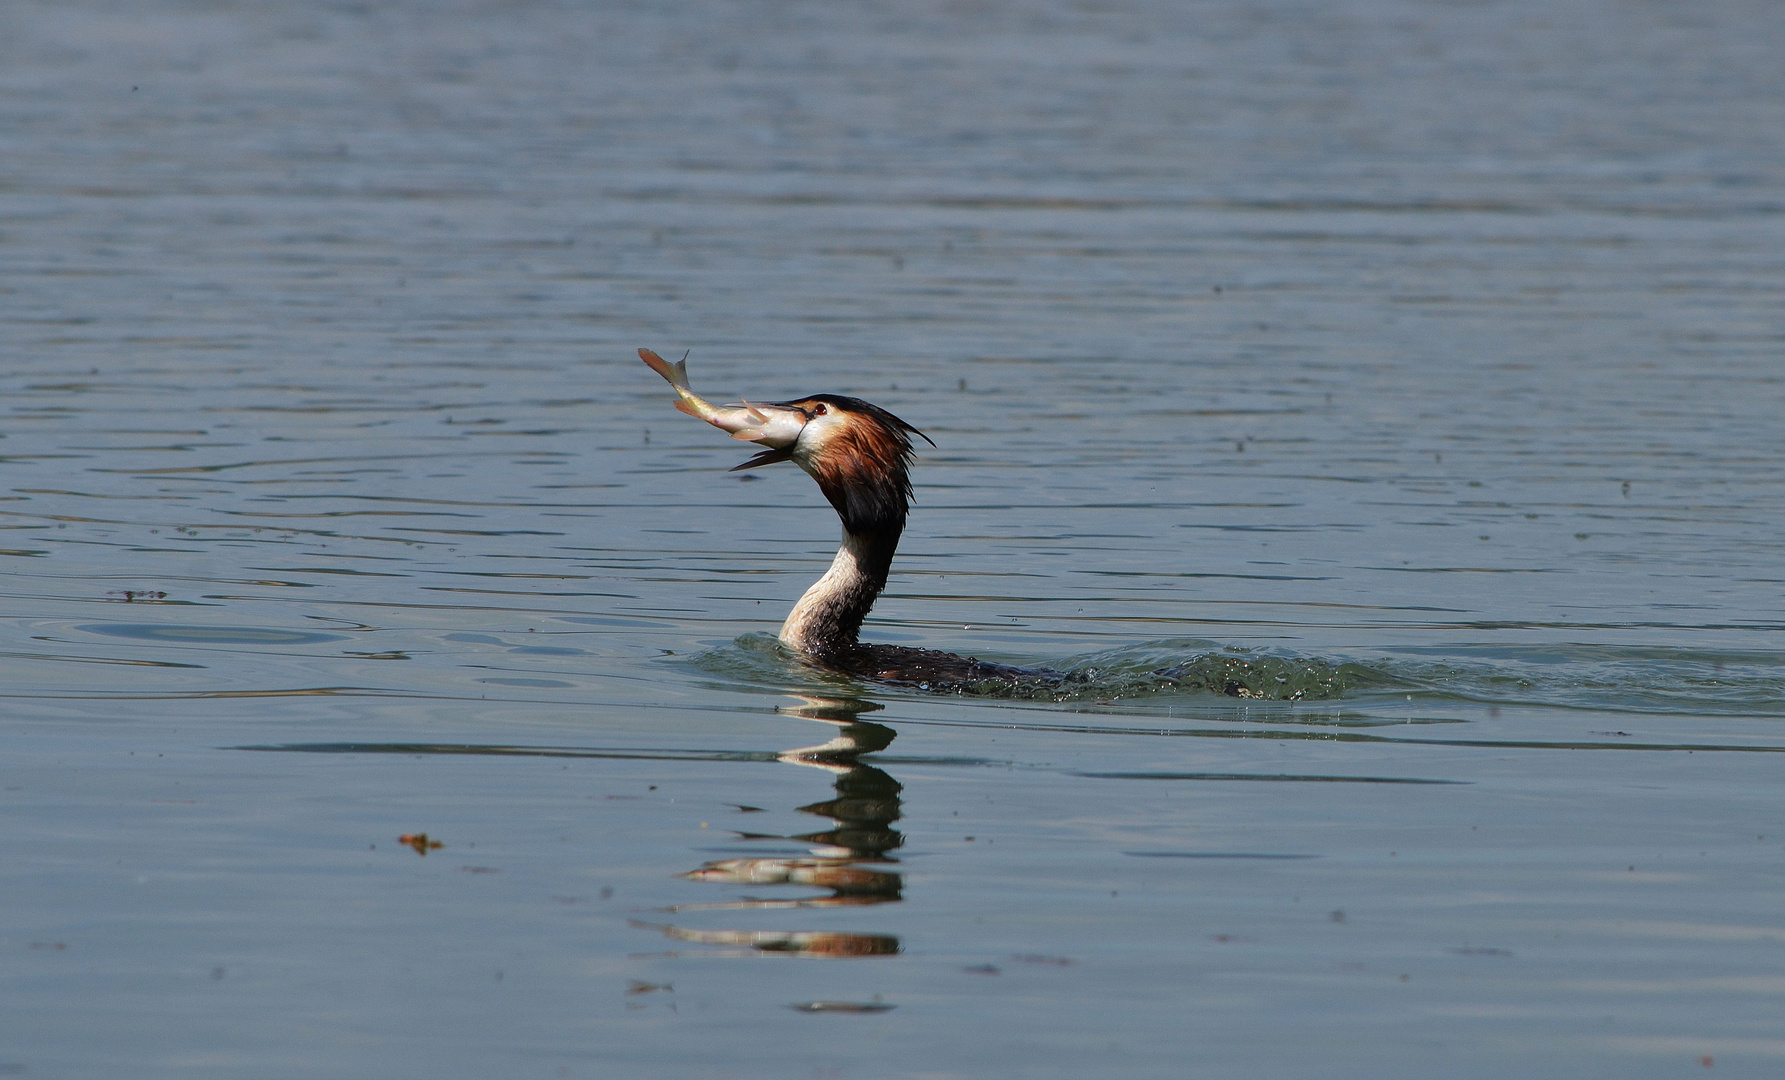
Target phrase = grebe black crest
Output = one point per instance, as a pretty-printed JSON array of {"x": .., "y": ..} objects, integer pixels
[{"x": 860, "y": 455}]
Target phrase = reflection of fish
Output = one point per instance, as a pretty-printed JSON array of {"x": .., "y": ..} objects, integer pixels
[
  {"x": 806, "y": 943},
  {"x": 835, "y": 874},
  {"x": 774, "y": 426}
]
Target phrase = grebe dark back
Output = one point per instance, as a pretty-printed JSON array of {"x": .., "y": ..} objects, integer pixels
[{"x": 860, "y": 455}]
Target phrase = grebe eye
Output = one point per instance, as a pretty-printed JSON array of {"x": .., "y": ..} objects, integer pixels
[{"x": 819, "y": 409}]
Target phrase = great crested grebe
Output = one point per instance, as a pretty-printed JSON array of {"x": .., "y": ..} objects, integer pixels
[{"x": 860, "y": 454}]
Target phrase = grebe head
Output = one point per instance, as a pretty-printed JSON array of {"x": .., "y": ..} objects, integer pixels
[{"x": 859, "y": 453}]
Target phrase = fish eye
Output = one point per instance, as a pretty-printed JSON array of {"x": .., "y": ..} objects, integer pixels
[{"x": 819, "y": 409}]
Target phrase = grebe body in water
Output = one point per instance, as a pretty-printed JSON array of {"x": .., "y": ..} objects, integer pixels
[{"x": 860, "y": 455}]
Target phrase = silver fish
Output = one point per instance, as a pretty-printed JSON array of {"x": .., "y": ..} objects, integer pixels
[{"x": 774, "y": 426}]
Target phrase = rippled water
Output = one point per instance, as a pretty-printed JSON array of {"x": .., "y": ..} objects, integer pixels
[{"x": 1374, "y": 406}]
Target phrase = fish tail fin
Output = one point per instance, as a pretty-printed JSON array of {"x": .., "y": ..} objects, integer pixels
[{"x": 675, "y": 374}]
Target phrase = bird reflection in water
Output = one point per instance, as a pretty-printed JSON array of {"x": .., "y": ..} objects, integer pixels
[{"x": 849, "y": 860}]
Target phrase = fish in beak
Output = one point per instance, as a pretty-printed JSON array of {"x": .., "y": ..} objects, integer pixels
[{"x": 774, "y": 426}]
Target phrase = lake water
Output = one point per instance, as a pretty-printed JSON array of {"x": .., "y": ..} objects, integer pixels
[{"x": 1425, "y": 356}]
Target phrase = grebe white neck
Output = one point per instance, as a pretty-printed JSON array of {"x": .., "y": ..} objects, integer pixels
[{"x": 828, "y": 618}]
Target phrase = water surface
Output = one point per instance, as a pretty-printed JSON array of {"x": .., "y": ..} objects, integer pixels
[{"x": 1415, "y": 365}]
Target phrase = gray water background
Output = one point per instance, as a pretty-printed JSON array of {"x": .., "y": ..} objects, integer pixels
[{"x": 1436, "y": 344}]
